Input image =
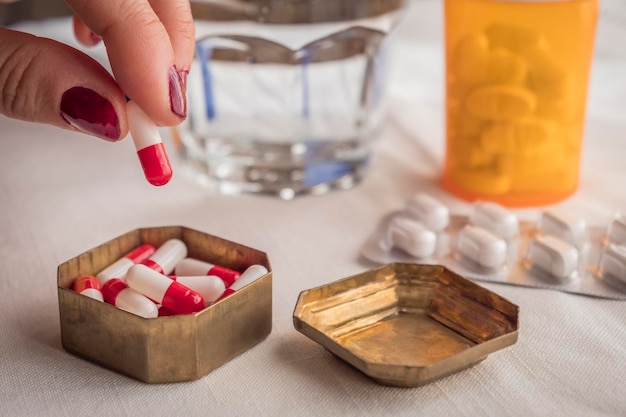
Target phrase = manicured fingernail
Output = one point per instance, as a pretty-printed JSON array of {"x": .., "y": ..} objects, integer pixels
[
  {"x": 95, "y": 39},
  {"x": 178, "y": 102},
  {"x": 91, "y": 113},
  {"x": 183, "y": 78}
]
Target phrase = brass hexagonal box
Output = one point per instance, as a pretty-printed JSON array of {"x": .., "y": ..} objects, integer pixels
[
  {"x": 406, "y": 324},
  {"x": 172, "y": 348}
]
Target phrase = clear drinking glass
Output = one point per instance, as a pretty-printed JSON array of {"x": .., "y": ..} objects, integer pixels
[{"x": 285, "y": 96}]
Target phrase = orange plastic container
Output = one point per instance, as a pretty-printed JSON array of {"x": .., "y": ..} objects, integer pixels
[{"x": 517, "y": 74}]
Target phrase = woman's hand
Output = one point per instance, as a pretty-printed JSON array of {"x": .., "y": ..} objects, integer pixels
[{"x": 150, "y": 46}]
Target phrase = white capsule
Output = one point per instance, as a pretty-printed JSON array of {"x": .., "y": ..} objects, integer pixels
[
  {"x": 617, "y": 230},
  {"x": 613, "y": 263},
  {"x": 481, "y": 246},
  {"x": 167, "y": 256},
  {"x": 412, "y": 237},
  {"x": 251, "y": 274},
  {"x": 431, "y": 212},
  {"x": 565, "y": 227},
  {"x": 553, "y": 255},
  {"x": 495, "y": 218}
]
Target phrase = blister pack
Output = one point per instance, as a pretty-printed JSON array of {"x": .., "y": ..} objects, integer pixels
[{"x": 556, "y": 251}]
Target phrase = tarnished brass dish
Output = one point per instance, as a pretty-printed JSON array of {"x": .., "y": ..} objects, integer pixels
[
  {"x": 172, "y": 348},
  {"x": 406, "y": 324}
]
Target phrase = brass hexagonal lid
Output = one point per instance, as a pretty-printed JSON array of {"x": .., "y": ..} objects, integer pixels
[{"x": 407, "y": 324}]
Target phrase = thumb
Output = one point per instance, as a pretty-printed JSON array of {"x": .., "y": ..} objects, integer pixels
[{"x": 45, "y": 81}]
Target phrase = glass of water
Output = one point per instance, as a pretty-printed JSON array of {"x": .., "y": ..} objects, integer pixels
[{"x": 285, "y": 96}]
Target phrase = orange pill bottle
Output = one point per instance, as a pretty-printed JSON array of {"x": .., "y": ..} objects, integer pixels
[{"x": 517, "y": 75}]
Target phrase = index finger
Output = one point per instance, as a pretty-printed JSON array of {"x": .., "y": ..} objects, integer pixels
[
  {"x": 177, "y": 20},
  {"x": 141, "y": 54}
]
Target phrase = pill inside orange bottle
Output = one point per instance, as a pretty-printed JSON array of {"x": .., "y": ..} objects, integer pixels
[{"x": 517, "y": 75}]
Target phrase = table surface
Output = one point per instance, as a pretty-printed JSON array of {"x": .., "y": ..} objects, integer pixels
[{"x": 62, "y": 193}]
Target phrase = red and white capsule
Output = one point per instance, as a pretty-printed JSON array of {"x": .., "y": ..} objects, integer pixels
[
  {"x": 167, "y": 256},
  {"x": 88, "y": 285},
  {"x": 118, "y": 293},
  {"x": 190, "y": 267},
  {"x": 210, "y": 287},
  {"x": 150, "y": 149},
  {"x": 163, "y": 290},
  {"x": 251, "y": 274},
  {"x": 118, "y": 268}
]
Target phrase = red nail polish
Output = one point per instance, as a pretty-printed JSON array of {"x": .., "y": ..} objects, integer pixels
[
  {"x": 91, "y": 113},
  {"x": 178, "y": 102}
]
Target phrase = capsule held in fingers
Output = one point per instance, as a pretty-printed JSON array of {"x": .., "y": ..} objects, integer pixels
[{"x": 150, "y": 149}]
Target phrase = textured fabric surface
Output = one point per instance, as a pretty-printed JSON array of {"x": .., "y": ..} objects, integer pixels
[{"x": 63, "y": 193}]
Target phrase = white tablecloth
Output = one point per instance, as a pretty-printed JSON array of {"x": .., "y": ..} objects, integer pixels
[{"x": 63, "y": 193}]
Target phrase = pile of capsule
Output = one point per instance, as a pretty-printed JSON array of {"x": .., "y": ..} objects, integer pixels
[
  {"x": 141, "y": 282},
  {"x": 555, "y": 244}
]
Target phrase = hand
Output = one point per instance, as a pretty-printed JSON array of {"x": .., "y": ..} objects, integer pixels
[{"x": 150, "y": 46}]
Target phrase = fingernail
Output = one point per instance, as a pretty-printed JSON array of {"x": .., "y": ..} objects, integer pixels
[
  {"x": 178, "y": 103},
  {"x": 95, "y": 39},
  {"x": 183, "y": 78},
  {"x": 91, "y": 113}
]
